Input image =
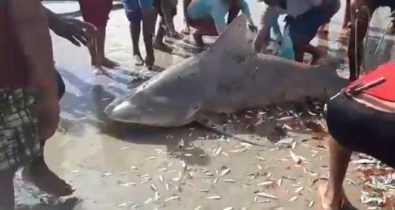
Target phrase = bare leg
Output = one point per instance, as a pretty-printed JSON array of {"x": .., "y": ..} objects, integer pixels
[
  {"x": 7, "y": 197},
  {"x": 101, "y": 38},
  {"x": 135, "y": 30},
  {"x": 332, "y": 193},
  {"x": 38, "y": 174},
  {"x": 95, "y": 60},
  {"x": 315, "y": 52},
  {"x": 347, "y": 15},
  {"x": 149, "y": 20},
  {"x": 355, "y": 47},
  {"x": 160, "y": 35},
  {"x": 198, "y": 37}
]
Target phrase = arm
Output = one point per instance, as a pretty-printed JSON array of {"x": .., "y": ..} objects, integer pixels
[{"x": 74, "y": 30}]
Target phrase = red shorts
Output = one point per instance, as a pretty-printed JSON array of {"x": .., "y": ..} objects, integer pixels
[
  {"x": 96, "y": 11},
  {"x": 205, "y": 26}
]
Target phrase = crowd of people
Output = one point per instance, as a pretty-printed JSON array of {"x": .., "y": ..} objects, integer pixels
[{"x": 359, "y": 118}]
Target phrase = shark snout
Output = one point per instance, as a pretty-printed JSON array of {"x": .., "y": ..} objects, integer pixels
[{"x": 123, "y": 111}]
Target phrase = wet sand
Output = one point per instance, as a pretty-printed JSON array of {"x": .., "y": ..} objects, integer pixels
[{"x": 119, "y": 166}]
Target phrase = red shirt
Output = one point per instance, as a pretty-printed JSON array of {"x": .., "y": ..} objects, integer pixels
[
  {"x": 385, "y": 90},
  {"x": 13, "y": 68}
]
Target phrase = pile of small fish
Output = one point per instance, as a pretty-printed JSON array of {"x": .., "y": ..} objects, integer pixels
[{"x": 378, "y": 183}]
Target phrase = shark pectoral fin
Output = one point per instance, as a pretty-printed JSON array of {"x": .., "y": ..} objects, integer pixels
[{"x": 233, "y": 40}]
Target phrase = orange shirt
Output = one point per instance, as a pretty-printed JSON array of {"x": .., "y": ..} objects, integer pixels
[{"x": 385, "y": 90}]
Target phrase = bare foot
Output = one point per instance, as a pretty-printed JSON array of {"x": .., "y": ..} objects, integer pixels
[
  {"x": 198, "y": 40},
  {"x": 329, "y": 202},
  {"x": 138, "y": 60},
  {"x": 39, "y": 175},
  {"x": 109, "y": 63},
  {"x": 149, "y": 61},
  {"x": 162, "y": 47}
]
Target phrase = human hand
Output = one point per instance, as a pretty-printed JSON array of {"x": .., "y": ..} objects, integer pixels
[{"x": 76, "y": 31}]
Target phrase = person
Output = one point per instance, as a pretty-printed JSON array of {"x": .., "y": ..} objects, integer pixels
[
  {"x": 360, "y": 22},
  {"x": 208, "y": 16},
  {"x": 304, "y": 18},
  {"x": 138, "y": 11},
  {"x": 37, "y": 172},
  {"x": 97, "y": 13},
  {"x": 360, "y": 119},
  {"x": 28, "y": 93},
  {"x": 167, "y": 10}
]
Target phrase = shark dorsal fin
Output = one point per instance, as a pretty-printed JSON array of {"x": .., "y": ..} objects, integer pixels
[{"x": 233, "y": 40}]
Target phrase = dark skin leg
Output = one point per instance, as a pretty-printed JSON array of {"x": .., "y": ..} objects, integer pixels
[
  {"x": 347, "y": 14},
  {"x": 38, "y": 174},
  {"x": 160, "y": 35},
  {"x": 359, "y": 26},
  {"x": 301, "y": 46},
  {"x": 135, "y": 30},
  {"x": 149, "y": 20},
  {"x": 331, "y": 193},
  {"x": 101, "y": 38},
  {"x": 7, "y": 197}
]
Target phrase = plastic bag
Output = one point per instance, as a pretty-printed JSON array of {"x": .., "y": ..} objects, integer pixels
[{"x": 287, "y": 47}]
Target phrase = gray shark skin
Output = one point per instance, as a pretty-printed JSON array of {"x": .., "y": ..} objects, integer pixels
[{"x": 227, "y": 78}]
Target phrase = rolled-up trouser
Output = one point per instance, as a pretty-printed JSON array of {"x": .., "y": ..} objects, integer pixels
[{"x": 360, "y": 128}]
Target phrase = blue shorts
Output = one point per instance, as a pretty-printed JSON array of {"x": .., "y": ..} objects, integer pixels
[
  {"x": 133, "y": 8},
  {"x": 305, "y": 26}
]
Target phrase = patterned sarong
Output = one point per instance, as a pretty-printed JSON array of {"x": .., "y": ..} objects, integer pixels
[{"x": 19, "y": 142}]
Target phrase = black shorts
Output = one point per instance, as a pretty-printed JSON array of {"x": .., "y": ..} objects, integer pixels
[{"x": 362, "y": 129}]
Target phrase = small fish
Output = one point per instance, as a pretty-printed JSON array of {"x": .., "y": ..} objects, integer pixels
[
  {"x": 295, "y": 158},
  {"x": 266, "y": 195},
  {"x": 311, "y": 204},
  {"x": 198, "y": 207},
  {"x": 214, "y": 197},
  {"x": 294, "y": 198},
  {"x": 225, "y": 172},
  {"x": 268, "y": 183},
  {"x": 299, "y": 190},
  {"x": 149, "y": 200},
  {"x": 217, "y": 151},
  {"x": 230, "y": 180},
  {"x": 228, "y": 208},
  {"x": 172, "y": 198},
  {"x": 127, "y": 184},
  {"x": 157, "y": 196},
  {"x": 153, "y": 187}
]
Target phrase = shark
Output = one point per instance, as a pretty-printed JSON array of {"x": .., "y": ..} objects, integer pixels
[{"x": 226, "y": 78}]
